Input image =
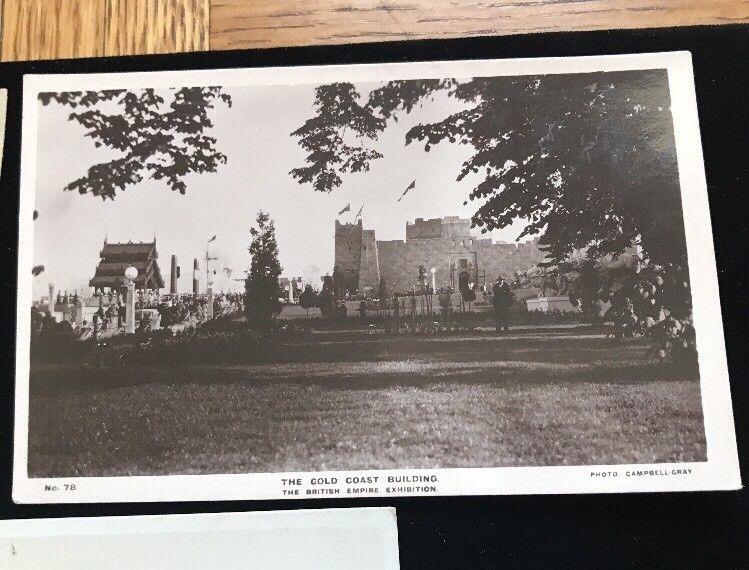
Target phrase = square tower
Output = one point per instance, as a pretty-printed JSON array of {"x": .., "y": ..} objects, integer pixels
[{"x": 348, "y": 250}]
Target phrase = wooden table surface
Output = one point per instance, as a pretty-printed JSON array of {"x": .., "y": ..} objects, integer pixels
[{"x": 43, "y": 29}]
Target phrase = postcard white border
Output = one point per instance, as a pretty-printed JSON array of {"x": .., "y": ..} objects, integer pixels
[{"x": 720, "y": 471}]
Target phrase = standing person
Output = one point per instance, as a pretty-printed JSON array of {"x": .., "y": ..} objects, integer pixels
[
  {"x": 95, "y": 332},
  {"x": 111, "y": 313},
  {"x": 101, "y": 318},
  {"x": 502, "y": 299}
]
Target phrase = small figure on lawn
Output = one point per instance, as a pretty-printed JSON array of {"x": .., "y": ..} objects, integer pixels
[{"x": 502, "y": 298}]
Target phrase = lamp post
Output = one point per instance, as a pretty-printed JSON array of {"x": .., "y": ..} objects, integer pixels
[
  {"x": 51, "y": 304},
  {"x": 130, "y": 274},
  {"x": 209, "y": 280},
  {"x": 433, "y": 271}
]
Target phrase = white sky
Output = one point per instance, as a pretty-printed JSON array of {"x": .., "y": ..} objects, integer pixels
[{"x": 254, "y": 134}]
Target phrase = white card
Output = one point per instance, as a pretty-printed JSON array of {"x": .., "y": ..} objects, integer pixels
[
  {"x": 300, "y": 540},
  {"x": 360, "y": 342}
]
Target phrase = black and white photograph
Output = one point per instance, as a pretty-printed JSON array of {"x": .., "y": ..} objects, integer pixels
[{"x": 448, "y": 272}]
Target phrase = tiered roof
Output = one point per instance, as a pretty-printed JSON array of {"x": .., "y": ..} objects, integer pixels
[{"x": 115, "y": 258}]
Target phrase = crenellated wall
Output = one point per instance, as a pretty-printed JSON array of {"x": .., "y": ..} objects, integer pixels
[{"x": 362, "y": 261}]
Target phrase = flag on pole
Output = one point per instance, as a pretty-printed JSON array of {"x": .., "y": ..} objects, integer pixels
[
  {"x": 358, "y": 214},
  {"x": 410, "y": 186},
  {"x": 212, "y": 239},
  {"x": 346, "y": 209}
]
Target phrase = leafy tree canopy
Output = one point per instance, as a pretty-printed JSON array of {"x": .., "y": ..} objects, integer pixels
[
  {"x": 587, "y": 161},
  {"x": 155, "y": 136},
  {"x": 262, "y": 289},
  {"x": 308, "y": 298}
]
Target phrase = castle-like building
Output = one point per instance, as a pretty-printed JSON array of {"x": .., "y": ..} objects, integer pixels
[{"x": 362, "y": 262}]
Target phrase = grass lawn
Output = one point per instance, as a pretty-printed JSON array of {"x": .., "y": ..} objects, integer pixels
[{"x": 389, "y": 403}]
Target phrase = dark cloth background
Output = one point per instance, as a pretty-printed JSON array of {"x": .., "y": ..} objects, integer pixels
[{"x": 650, "y": 530}]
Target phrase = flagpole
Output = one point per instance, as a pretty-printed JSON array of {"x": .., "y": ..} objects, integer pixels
[{"x": 208, "y": 259}]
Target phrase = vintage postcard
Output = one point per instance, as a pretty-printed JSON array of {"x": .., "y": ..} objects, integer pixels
[
  {"x": 299, "y": 540},
  {"x": 443, "y": 278}
]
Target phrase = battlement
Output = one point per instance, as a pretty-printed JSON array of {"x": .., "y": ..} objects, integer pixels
[
  {"x": 362, "y": 262},
  {"x": 424, "y": 229},
  {"x": 346, "y": 226},
  {"x": 438, "y": 228}
]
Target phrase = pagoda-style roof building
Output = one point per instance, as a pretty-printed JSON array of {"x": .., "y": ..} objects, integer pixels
[{"x": 115, "y": 258}]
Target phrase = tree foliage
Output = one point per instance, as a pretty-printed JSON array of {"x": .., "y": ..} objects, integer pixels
[
  {"x": 327, "y": 298},
  {"x": 656, "y": 303},
  {"x": 323, "y": 137},
  {"x": 586, "y": 161},
  {"x": 262, "y": 289},
  {"x": 159, "y": 137},
  {"x": 308, "y": 298}
]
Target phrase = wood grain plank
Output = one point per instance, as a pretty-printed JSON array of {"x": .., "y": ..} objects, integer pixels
[
  {"x": 46, "y": 29},
  {"x": 43, "y": 29},
  {"x": 40, "y": 29},
  {"x": 270, "y": 23},
  {"x": 155, "y": 26}
]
